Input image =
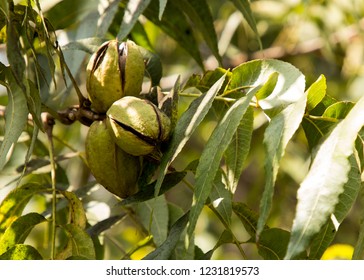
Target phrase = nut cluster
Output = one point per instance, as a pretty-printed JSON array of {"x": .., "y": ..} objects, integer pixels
[{"x": 133, "y": 128}]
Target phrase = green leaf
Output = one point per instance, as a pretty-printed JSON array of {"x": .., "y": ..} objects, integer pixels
[
  {"x": 77, "y": 213},
  {"x": 273, "y": 243},
  {"x": 18, "y": 231},
  {"x": 164, "y": 251},
  {"x": 68, "y": 12},
  {"x": 140, "y": 36},
  {"x": 289, "y": 88},
  {"x": 154, "y": 216},
  {"x": 153, "y": 66},
  {"x": 346, "y": 200},
  {"x": 323, "y": 105},
  {"x": 34, "y": 103},
  {"x": 248, "y": 217},
  {"x": 199, "y": 13},
  {"x": 320, "y": 190},
  {"x": 21, "y": 252},
  {"x": 13, "y": 50},
  {"x": 212, "y": 154},
  {"x": 225, "y": 238},
  {"x": 220, "y": 198},
  {"x": 169, "y": 104},
  {"x": 280, "y": 130},
  {"x": 285, "y": 108},
  {"x": 162, "y": 6},
  {"x": 148, "y": 192},
  {"x": 338, "y": 110},
  {"x": 80, "y": 243},
  {"x": 176, "y": 25},
  {"x": 185, "y": 126},
  {"x": 98, "y": 228},
  {"x": 268, "y": 87},
  {"x": 244, "y": 7},
  {"x": 4, "y": 8},
  {"x": 175, "y": 213},
  {"x": 316, "y": 129},
  {"x": 238, "y": 149},
  {"x": 106, "y": 18},
  {"x": 132, "y": 12},
  {"x": 208, "y": 79},
  {"x": 359, "y": 145},
  {"x": 316, "y": 92},
  {"x": 88, "y": 45},
  {"x": 87, "y": 27},
  {"x": 16, "y": 118},
  {"x": 359, "y": 246},
  {"x": 14, "y": 203}
]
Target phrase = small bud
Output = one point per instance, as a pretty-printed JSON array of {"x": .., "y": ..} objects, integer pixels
[
  {"x": 137, "y": 125},
  {"x": 114, "y": 70}
]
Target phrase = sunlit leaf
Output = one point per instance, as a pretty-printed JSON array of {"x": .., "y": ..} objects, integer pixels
[
  {"x": 316, "y": 92},
  {"x": 280, "y": 130},
  {"x": 16, "y": 116},
  {"x": 21, "y": 252},
  {"x": 320, "y": 108},
  {"x": 77, "y": 213},
  {"x": 185, "y": 126},
  {"x": 132, "y": 12},
  {"x": 14, "y": 203},
  {"x": 162, "y": 6},
  {"x": 80, "y": 243},
  {"x": 346, "y": 200},
  {"x": 289, "y": 87},
  {"x": 339, "y": 110},
  {"x": 316, "y": 127},
  {"x": 212, "y": 154},
  {"x": 319, "y": 192},
  {"x": 284, "y": 107},
  {"x": 18, "y": 231},
  {"x": 238, "y": 149},
  {"x": 268, "y": 87}
]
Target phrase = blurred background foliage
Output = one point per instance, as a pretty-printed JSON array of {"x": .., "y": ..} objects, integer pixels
[{"x": 317, "y": 36}]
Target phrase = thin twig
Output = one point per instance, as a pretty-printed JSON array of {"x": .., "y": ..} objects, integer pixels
[{"x": 48, "y": 125}]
